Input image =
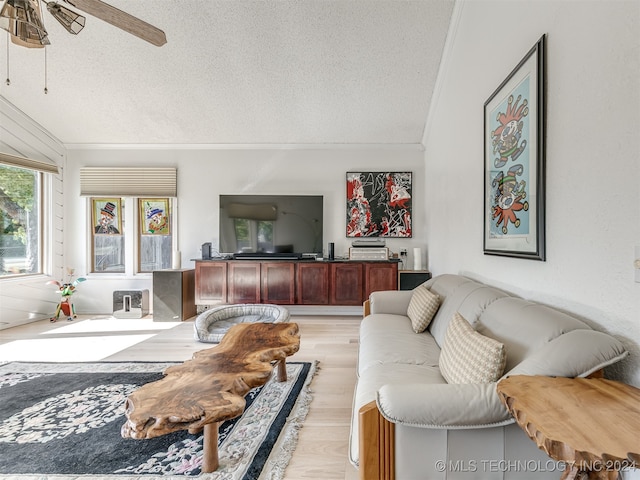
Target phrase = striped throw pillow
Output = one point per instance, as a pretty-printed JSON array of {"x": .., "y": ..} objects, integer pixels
[
  {"x": 469, "y": 357},
  {"x": 422, "y": 307}
]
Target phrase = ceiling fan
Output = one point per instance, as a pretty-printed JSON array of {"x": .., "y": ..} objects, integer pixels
[{"x": 23, "y": 20}]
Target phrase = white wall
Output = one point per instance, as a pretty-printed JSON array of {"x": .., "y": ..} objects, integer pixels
[
  {"x": 593, "y": 156},
  {"x": 205, "y": 173},
  {"x": 27, "y": 299}
]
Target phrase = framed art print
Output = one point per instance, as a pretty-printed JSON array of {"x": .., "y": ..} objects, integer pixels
[
  {"x": 107, "y": 216},
  {"x": 514, "y": 161},
  {"x": 154, "y": 216},
  {"x": 379, "y": 204}
]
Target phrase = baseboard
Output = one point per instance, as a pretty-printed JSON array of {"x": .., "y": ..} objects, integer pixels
[{"x": 324, "y": 310}]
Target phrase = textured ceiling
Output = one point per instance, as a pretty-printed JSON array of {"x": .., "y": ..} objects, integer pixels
[{"x": 237, "y": 72}]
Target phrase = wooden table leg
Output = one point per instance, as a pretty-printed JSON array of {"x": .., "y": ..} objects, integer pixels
[
  {"x": 571, "y": 472},
  {"x": 210, "y": 462},
  {"x": 603, "y": 475},
  {"x": 282, "y": 370},
  {"x": 574, "y": 473}
]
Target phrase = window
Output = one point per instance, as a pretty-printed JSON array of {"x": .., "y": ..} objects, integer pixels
[
  {"x": 155, "y": 252},
  {"x": 20, "y": 222},
  {"x": 138, "y": 228},
  {"x": 265, "y": 236},
  {"x": 253, "y": 235}
]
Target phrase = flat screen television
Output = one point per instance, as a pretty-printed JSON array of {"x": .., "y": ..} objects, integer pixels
[{"x": 271, "y": 226}]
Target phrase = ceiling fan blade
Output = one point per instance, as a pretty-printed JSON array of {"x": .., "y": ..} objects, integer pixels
[{"x": 122, "y": 20}]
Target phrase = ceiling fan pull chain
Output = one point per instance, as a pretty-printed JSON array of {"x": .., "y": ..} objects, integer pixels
[
  {"x": 46, "y": 90},
  {"x": 8, "y": 41}
]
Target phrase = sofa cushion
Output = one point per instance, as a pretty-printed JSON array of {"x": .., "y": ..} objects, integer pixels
[
  {"x": 469, "y": 357},
  {"x": 422, "y": 307},
  {"x": 459, "y": 294},
  {"x": 389, "y": 339},
  {"x": 524, "y": 327}
]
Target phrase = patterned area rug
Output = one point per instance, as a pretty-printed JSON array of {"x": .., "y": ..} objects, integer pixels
[{"x": 63, "y": 421}]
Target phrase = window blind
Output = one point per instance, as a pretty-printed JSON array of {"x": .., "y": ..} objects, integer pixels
[
  {"x": 128, "y": 182},
  {"x": 252, "y": 212},
  {"x": 28, "y": 163}
]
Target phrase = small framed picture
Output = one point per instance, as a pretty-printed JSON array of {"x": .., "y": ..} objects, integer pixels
[
  {"x": 107, "y": 216},
  {"x": 154, "y": 216}
]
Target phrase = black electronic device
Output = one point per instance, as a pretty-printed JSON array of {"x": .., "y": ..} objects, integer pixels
[
  {"x": 276, "y": 226},
  {"x": 331, "y": 251},
  {"x": 408, "y": 279},
  {"x": 266, "y": 256},
  {"x": 206, "y": 251}
]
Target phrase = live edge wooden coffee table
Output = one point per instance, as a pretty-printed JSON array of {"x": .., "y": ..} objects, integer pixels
[
  {"x": 210, "y": 388},
  {"x": 591, "y": 424}
]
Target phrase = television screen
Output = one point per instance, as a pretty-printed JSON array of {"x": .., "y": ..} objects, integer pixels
[{"x": 273, "y": 225}]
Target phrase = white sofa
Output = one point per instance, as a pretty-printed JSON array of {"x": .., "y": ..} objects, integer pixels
[{"x": 408, "y": 423}]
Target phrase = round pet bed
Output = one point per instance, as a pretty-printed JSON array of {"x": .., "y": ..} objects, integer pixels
[{"x": 211, "y": 325}]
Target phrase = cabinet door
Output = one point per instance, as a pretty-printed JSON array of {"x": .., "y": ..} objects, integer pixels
[
  {"x": 244, "y": 282},
  {"x": 346, "y": 284},
  {"x": 278, "y": 283},
  {"x": 380, "y": 276},
  {"x": 211, "y": 283},
  {"x": 312, "y": 284}
]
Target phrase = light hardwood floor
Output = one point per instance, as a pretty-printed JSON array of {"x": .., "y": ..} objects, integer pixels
[{"x": 322, "y": 450}]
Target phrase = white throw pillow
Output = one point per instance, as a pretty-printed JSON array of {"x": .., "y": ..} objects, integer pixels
[
  {"x": 469, "y": 357},
  {"x": 422, "y": 307}
]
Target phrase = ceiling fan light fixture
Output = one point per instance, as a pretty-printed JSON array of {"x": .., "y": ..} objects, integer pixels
[
  {"x": 70, "y": 20},
  {"x": 23, "y": 20},
  {"x": 30, "y": 37}
]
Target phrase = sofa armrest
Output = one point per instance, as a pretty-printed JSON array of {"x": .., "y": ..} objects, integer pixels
[
  {"x": 390, "y": 301},
  {"x": 448, "y": 406}
]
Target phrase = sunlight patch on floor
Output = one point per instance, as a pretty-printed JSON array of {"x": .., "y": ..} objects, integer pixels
[
  {"x": 111, "y": 325},
  {"x": 74, "y": 349}
]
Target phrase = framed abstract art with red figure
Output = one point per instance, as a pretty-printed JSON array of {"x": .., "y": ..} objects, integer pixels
[{"x": 379, "y": 204}]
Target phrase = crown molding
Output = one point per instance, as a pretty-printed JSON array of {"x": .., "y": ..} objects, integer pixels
[{"x": 245, "y": 146}]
